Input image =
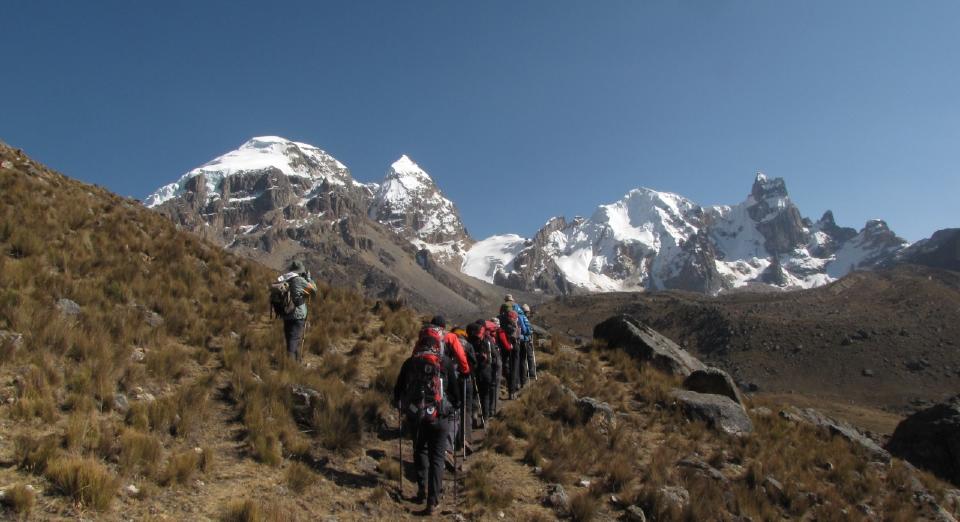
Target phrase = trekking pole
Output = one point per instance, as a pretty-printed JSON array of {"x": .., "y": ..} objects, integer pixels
[
  {"x": 400, "y": 439},
  {"x": 303, "y": 338},
  {"x": 533, "y": 357},
  {"x": 479, "y": 404}
]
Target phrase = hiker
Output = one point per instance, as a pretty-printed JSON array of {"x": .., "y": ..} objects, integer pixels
[
  {"x": 510, "y": 329},
  {"x": 523, "y": 339},
  {"x": 289, "y": 302},
  {"x": 531, "y": 357},
  {"x": 452, "y": 346},
  {"x": 488, "y": 364},
  {"x": 427, "y": 395},
  {"x": 465, "y": 422}
]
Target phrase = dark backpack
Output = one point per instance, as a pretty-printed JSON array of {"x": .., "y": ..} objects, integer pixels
[
  {"x": 282, "y": 300},
  {"x": 508, "y": 323},
  {"x": 423, "y": 400},
  {"x": 430, "y": 340}
]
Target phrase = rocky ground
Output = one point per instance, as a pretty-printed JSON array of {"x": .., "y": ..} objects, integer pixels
[{"x": 871, "y": 347}]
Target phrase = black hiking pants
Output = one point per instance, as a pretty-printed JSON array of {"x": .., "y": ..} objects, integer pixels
[
  {"x": 430, "y": 442},
  {"x": 293, "y": 330},
  {"x": 513, "y": 375},
  {"x": 531, "y": 361},
  {"x": 522, "y": 350},
  {"x": 487, "y": 387}
]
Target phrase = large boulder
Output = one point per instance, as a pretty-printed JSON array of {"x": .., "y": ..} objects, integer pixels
[
  {"x": 930, "y": 439},
  {"x": 719, "y": 412},
  {"x": 714, "y": 381},
  {"x": 646, "y": 344}
]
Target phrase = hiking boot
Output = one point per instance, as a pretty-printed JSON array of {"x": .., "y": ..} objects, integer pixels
[
  {"x": 421, "y": 496},
  {"x": 430, "y": 510}
]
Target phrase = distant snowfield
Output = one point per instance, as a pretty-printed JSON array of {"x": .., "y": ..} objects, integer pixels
[{"x": 494, "y": 253}]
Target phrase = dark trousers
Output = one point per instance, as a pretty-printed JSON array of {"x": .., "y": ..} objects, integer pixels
[
  {"x": 495, "y": 391},
  {"x": 488, "y": 392},
  {"x": 522, "y": 350},
  {"x": 513, "y": 372},
  {"x": 531, "y": 361},
  {"x": 430, "y": 442},
  {"x": 293, "y": 333},
  {"x": 466, "y": 424}
]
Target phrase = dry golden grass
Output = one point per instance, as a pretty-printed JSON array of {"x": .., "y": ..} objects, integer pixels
[
  {"x": 139, "y": 452},
  {"x": 86, "y": 480},
  {"x": 483, "y": 490},
  {"x": 299, "y": 477},
  {"x": 20, "y": 499}
]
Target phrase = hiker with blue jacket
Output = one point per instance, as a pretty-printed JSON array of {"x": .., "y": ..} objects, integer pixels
[{"x": 294, "y": 323}]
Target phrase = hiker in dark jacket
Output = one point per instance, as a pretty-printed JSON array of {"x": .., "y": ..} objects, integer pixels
[
  {"x": 484, "y": 370},
  {"x": 465, "y": 422},
  {"x": 429, "y": 439},
  {"x": 294, "y": 323}
]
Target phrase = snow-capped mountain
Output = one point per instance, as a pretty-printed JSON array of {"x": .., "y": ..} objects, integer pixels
[
  {"x": 274, "y": 199},
  {"x": 659, "y": 240},
  {"x": 409, "y": 202}
]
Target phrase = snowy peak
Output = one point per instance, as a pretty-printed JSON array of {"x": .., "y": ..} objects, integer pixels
[
  {"x": 259, "y": 155},
  {"x": 411, "y": 203},
  {"x": 658, "y": 240}
]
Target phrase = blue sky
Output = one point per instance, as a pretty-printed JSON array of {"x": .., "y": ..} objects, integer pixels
[{"x": 521, "y": 110}]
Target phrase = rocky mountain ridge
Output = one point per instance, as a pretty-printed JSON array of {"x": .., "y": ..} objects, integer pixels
[
  {"x": 274, "y": 200},
  {"x": 652, "y": 240}
]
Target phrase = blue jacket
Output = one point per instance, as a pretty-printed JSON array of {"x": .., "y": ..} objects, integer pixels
[{"x": 525, "y": 330}]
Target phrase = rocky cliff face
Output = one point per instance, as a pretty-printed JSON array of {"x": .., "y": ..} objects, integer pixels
[
  {"x": 409, "y": 202},
  {"x": 658, "y": 240},
  {"x": 274, "y": 200}
]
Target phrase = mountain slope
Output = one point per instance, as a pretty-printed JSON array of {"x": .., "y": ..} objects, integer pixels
[
  {"x": 142, "y": 379},
  {"x": 274, "y": 200},
  {"x": 652, "y": 240}
]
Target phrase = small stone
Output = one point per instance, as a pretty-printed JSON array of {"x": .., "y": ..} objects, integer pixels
[
  {"x": 120, "y": 403},
  {"x": 7, "y": 164},
  {"x": 557, "y": 498},
  {"x": 132, "y": 490},
  {"x": 500, "y": 514},
  {"x": 584, "y": 483},
  {"x": 68, "y": 308},
  {"x": 198, "y": 450},
  {"x": 867, "y": 372}
]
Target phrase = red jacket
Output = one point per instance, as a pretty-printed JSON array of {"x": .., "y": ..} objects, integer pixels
[{"x": 453, "y": 342}]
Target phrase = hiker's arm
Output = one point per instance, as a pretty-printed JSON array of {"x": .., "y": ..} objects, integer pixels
[
  {"x": 504, "y": 342},
  {"x": 458, "y": 352}
]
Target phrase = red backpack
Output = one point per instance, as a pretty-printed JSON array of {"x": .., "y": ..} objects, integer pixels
[{"x": 423, "y": 400}]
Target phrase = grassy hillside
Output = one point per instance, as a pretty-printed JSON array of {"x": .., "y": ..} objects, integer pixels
[{"x": 141, "y": 378}]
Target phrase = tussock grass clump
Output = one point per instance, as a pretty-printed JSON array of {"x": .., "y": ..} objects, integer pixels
[
  {"x": 20, "y": 499},
  {"x": 584, "y": 507},
  {"x": 255, "y": 511},
  {"x": 498, "y": 438},
  {"x": 139, "y": 452},
  {"x": 483, "y": 489},
  {"x": 34, "y": 453},
  {"x": 299, "y": 477},
  {"x": 84, "y": 479},
  {"x": 181, "y": 467}
]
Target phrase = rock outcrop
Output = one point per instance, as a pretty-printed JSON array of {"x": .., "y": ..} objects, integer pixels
[
  {"x": 930, "y": 439},
  {"x": 646, "y": 344},
  {"x": 719, "y": 412},
  {"x": 714, "y": 381}
]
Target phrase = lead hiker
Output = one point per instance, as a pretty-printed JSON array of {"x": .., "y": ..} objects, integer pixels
[
  {"x": 288, "y": 298},
  {"x": 531, "y": 357},
  {"x": 510, "y": 330},
  {"x": 523, "y": 340},
  {"x": 427, "y": 394}
]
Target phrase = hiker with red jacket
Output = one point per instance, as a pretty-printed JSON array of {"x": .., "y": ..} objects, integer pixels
[
  {"x": 427, "y": 394},
  {"x": 452, "y": 346},
  {"x": 510, "y": 331}
]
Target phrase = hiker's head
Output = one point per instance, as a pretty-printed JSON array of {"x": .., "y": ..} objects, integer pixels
[
  {"x": 525, "y": 308},
  {"x": 474, "y": 330},
  {"x": 297, "y": 267},
  {"x": 508, "y": 298},
  {"x": 438, "y": 320},
  {"x": 496, "y": 321}
]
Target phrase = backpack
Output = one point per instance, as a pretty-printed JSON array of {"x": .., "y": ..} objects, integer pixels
[
  {"x": 282, "y": 299},
  {"x": 430, "y": 340},
  {"x": 423, "y": 400},
  {"x": 508, "y": 323}
]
